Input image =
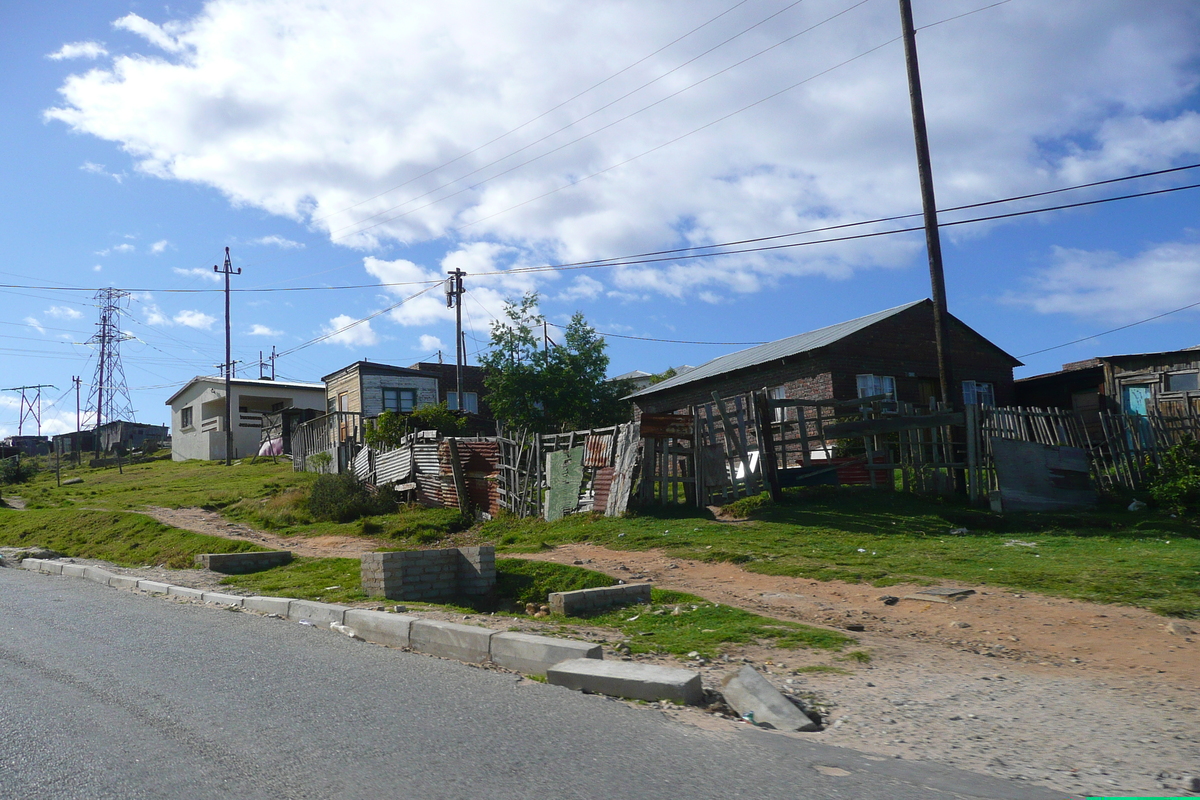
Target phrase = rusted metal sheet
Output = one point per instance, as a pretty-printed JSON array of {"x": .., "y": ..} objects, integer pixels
[
  {"x": 667, "y": 426},
  {"x": 601, "y": 486},
  {"x": 598, "y": 450},
  {"x": 393, "y": 466}
]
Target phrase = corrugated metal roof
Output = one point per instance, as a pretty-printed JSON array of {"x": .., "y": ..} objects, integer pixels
[{"x": 793, "y": 345}]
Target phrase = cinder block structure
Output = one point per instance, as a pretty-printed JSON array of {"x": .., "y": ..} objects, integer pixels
[
  {"x": 429, "y": 574},
  {"x": 586, "y": 600}
]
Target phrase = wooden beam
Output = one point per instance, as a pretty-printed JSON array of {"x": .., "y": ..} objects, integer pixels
[{"x": 875, "y": 427}]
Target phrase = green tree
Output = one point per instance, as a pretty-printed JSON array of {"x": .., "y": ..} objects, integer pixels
[{"x": 561, "y": 387}]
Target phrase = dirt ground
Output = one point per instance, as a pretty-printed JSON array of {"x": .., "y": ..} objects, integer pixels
[{"x": 1084, "y": 698}]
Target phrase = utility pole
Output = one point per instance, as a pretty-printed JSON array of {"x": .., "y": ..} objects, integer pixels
[
  {"x": 227, "y": 270},
  {"x": 273, "y": 357},
  {"x": 454, "y": 292},
  {"x": 933, "y": 242}
]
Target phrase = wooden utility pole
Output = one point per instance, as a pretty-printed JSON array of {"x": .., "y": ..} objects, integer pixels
[
  {"x": 933, "y": 242},
  {"x": 228, "y": 270}
]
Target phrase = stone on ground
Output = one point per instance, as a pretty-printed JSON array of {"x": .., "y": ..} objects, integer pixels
[{"x": 748, "y": 692}]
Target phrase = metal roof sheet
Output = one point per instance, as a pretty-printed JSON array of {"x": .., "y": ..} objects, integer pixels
[{"x": 760, "y": 354}]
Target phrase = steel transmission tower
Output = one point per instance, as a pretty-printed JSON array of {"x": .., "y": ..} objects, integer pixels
[{"x": 109, "y": 398}]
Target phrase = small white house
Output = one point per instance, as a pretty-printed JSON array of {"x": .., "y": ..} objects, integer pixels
[{"x": 198, "y": 413}]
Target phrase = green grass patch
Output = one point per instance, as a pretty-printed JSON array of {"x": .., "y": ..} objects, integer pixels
[
  {"x": 821, "y": 669},
  {"x": 519, "y": 581},
  {"x": 857, "y": 656},
  {"x": 331, "y": 580},
  {"x": 131, "y": 540},
  {"x": 1109, "y": 555}
]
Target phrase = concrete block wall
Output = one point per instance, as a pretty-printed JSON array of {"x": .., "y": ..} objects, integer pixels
[
  {"x": 241, "y": 563},
  {"x": 586, "y": 600},
  {"x": 429, "y": 574}
]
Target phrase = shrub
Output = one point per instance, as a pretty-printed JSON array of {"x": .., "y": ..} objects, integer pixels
[
  {"x": 341, "y": 498},
  {"x": 17, "y": 471},
  {"x": 1175, "y": 482}
]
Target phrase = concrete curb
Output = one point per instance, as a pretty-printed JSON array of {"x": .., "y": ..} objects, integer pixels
[{"x": 522, "y": 652}]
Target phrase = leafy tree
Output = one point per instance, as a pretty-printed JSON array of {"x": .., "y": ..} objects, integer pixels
[
  {"x": 669, "y": 372},
  {"x": 389, "y": 427},
  {"x": 561, "y": 387}
]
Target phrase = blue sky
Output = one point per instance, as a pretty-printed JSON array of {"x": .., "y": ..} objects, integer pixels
[{"x": 362, "y": 143}]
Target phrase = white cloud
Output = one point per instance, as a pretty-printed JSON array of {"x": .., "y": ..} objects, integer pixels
[
  {"x": 198, "y": 272},
  {"x": 97, "y": 268},
  {"x": 64, "y": 312},
  {"x": 194, "y": 319},
  {"x": 159, "y": 246},
  {"x": 360, "y": 335},
  {"x": 1107, "y": 286},
  {"x": 33, "y": 323},
  {"x": 278, "y": 241},
  {"x": 98, "y": 169},
  {"x": 582, "y": 288},
  {"x": 124, "y": 247},
  {"x": 428, "y": 343},
  {"x": 78, "y": 50},
  {"x": 315, "y": 111},
  {"x": 258, "y": 329}
]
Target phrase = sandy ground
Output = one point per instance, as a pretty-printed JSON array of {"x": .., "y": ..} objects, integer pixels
[{"x": 1084, "y": 698}]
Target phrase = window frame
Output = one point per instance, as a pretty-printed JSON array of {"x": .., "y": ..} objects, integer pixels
[
  {"x": 472, "y": 401},
  {"x": 186, "y": 418},
  {"x": 1167, "y": 388},
  {"x": 975, "y": 386}
]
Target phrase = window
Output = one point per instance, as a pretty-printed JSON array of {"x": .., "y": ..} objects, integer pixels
[
  {"x": 1183, "y": 382},
  {"x": 975, "y": 392},
  {"x": 778, "y": 393},
  {"x": 399, "y": 401},
  {"x": 871, "y": 385},
  {"x": 471, "y": 405},
  {"x": 185, "y": 417}
]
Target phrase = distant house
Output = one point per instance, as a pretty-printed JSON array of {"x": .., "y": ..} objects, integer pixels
[
  {"x": 889, "y": 352},
  {"x": 198, "y": 413},
  {"x": 129, "y": 435},
  {"x": 1168, "y": 381},
  {"x": 640, "y": 380},
  {"x": 368, "y": 388},
  {"x": 28, "y": 445},
  {"x": 473, "y": 388}
]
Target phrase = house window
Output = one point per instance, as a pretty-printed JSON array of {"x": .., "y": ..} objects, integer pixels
[
  {"x": 1183, "y": 382},
  {"x": 778, "y": 393},
  {"x": 471, "y": 404},
  {"x": 871, "y": 385},
  {"x": 185, "y": 417},
  {"x": 976, "y": 392},
  {"x": 399, "y": 401}
]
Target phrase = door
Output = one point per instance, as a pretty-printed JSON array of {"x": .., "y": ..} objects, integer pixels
[{"x": 1134, "y": 398}]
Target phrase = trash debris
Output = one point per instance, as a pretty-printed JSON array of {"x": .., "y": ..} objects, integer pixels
[
  {"x": 308, "y": 622},
  {"x": 959, "y": 531},
  {"x": 331, "y": 588},
  {"x": 1137, "y": 505},
  {"x": 940, "y": 595},
  {"x": 889, "y": 600},
  {"x": 1019, "y": 543},
  {"x": 345, "y": 629}
]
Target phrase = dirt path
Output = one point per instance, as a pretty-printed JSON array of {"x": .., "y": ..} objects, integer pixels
[
  {"x": 212, "y": 523},
  {"x": 1085, "y": 698}
]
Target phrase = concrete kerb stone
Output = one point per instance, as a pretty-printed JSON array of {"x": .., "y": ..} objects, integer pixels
[
  {"x": 450, "y": 640},
  {"x": 380, "y": 627},
  {"x": 533, "y": 655},
  {"x": 223, "y": 599},
  {"x": 628, "y": 679},
  {"x": 267, "y": 605},
  {"x": 115, "y": 581},
  {"x": 320, "y": 613},
  {"x": 50, "y": 567},
  {"x": 748, "y": 692},
  {"x": 153, "y": 587},
  {"x": 32, "y": 563},
  {"x": 74, "y": 570},
  {"x": 183, "y": 591}
]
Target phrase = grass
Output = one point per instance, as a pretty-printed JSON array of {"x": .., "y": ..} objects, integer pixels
[
  {"x": 130, "y": 540},
  {"x": 330, "y": 580},
  {"x": 1110, "y": 555}
]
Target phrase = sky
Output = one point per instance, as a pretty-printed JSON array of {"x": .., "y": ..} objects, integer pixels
[{"x": 373, "y": 145}]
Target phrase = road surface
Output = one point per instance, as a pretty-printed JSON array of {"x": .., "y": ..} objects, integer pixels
[{"x": 111, "y": 694}]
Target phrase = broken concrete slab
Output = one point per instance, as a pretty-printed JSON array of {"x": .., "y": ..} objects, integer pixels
[
  {"x": 320, "y": 613},
  {"x": 940, "y": 594},
  {"x": 450, "y": 640},
  {"x": 747, "y": 692},
  {"x": 628, "y": 679},
  {"x": 380, "y": 627},
  {"x": 1176, "y": 628},
  {"x": 533, "y": 655}
]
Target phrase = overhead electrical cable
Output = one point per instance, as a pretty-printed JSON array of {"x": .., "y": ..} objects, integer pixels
[
  {"x": 1112, "y": 330},
  {"x": 353, "y": 324}
]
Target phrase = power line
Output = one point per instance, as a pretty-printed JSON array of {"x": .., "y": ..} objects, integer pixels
[
  {"x": 667, "y": 341},
  {"x": 356, "y": 322},
  {"x": 1112, "y": 330}
]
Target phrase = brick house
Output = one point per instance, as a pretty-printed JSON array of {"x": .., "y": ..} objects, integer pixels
[{"x": 888, "y": 352}]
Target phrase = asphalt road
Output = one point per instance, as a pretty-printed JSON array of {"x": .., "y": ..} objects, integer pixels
[{"x": 109, "y": 694}]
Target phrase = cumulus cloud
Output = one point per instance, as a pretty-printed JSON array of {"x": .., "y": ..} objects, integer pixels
[
  {"x": 582, "y": 288},
  {"x": 410, "y": 123},
  {"x": 159, "y": 246},
  {"x": 198, "y": 272},
  {"x": 64, "y": 312},
  {"x": 428, "y": 343},
  {"x": 194, "y": 319},
  {"x": 345, "y": 332},
  {"x": 124, "y": 247},
  {"x": 78, "y": 50},
  {"x": 258, "y": 329},
  {"x": 98, "y": 169},
  {"x": 278, "y": 241},
  {"x": 1107, "y": 286},
  {"x": 33, "y": 323}
]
